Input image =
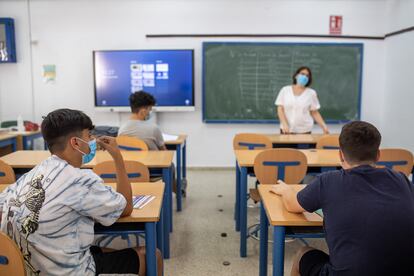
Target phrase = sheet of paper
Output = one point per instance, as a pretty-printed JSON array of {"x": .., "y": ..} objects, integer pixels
[{"x": 169, "y": 137}]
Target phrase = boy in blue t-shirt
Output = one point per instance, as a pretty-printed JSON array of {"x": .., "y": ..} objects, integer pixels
[{"x": 368, "y": 212}]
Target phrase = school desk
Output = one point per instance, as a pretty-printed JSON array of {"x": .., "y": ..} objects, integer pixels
[
  {"x": 294, "y": 140},
  {"x": 150, "y": 215},
  {"x": 180, "y": 147},
  {"x": 152, "y": 159},
  {"x": 274, "y": 212},
  {"x": 317, "y": 158},
  {"x": 7, "y": 139}
]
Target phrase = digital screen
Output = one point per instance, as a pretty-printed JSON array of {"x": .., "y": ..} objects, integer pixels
[{"x": 166, "y": 74}]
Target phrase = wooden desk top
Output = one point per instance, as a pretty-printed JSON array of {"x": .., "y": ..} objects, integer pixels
[
  {"x": 7, "y": 135},
  {"x": 180, "y": 140},
  {"x": 316, "y": 157},
  {"x": 279, "y": 216},
  {"x": 31, "y": 158},
  {"x": 294, "y": 138},
  {"x": 150, "y": 212},
  {"x": 25, "y": 133}
]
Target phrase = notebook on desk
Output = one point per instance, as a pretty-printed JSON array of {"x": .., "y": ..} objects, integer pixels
[
  {"x": 140, "y": 201},
  {"x": 169, "y": 137}
]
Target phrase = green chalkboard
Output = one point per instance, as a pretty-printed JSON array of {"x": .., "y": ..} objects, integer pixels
[{"x": 241, "y": 80}]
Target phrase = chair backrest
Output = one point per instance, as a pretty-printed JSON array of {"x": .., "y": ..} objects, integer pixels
[
  {"x": 6, "y": 173},
  {"x": 131, "y": 143},
  {"x": 397, "y": 159},
  {"x": 137, "y": 172},
  {"x": 11, "y": 259},
  {"x": 328, "y": 142},
  {"x": 289, "y": 165},
  {"x": 251, "y": 141}
]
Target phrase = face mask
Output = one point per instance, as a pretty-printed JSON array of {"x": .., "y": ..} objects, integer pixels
[
  {"x": 87, "y": 157},
  {"x": 302, "y": 80},
  {"x": 148, "y": 116}
]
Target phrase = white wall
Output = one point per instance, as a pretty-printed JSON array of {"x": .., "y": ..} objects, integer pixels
[
  {"x": 399, "y": 94},
  {"x": 65, "y": 32}
]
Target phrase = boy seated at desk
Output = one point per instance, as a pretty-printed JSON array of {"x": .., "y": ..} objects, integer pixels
[
  {"x": 138, "y": 125},
  {"x": 50, "y": 211},
  {"x": 368, "y": 212}
]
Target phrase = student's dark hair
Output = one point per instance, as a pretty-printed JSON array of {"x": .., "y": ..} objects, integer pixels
[
  {"x": 300, "y": 69},
  {"x": 60, "y": 125},
  {"x": 140, "y": 100},
  {"x": 359, "y": 142}
]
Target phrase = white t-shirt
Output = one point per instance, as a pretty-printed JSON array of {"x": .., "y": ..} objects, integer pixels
[
  {"x": 50, "y": 213},
  {"x": 297, "y": 108}
]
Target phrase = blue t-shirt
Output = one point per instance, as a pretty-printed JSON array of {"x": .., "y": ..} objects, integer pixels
[{"x": 368, "y": 220}]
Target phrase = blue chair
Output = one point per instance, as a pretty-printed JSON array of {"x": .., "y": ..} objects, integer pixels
[
  {"x": 328, "y": 142},
  {"x": 11, "y": 258},
  {"x": 137, "y": 172},
  {"x": 397, "y": 159},
  {"x": 290, "y": 166},
  {"x": 7, "y": 175},
  {"x": 131, "y": 143}
]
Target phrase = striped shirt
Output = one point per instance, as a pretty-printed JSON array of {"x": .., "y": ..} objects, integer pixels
[{"x": 50, "y": 213}]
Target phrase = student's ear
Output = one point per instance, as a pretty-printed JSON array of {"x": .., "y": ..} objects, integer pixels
[
  {"x": 73, "y": 142},
  {"x": 378, "y": 156},
  {"x": 341, "y": 156}
]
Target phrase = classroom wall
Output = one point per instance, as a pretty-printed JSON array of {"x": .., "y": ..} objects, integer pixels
[
  {"x": 398, "y": 110},
  {"x": 65, "y": 32}
]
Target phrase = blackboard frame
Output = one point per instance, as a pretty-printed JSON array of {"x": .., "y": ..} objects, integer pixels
[{"x": 209, "y": 121}]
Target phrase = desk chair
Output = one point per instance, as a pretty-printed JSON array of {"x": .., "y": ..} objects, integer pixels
[
  {"x": 131, "y": 143},
  {"x": 137, "y": 172},
  {"x": 328, "y": 142},
  {"x": 251, "y": 141},
  {"x": 397, "y": 159},
  {"x": 6, "y": 174},
  {"x": 11, "y": 258},
  {"x": 290, "y": 166}
]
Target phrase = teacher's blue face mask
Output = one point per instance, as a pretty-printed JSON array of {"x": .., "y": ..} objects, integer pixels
[
  {"x": 302, "y": 79},
  {"x": 87, "y": 157}
]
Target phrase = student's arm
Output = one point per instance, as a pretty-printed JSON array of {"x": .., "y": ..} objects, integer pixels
[
  {"x": 289, "y": 197},
  {"x": 123, "y": 185},
  {"x": 318, "y": 118},
  {"x": 159, "y": 140},
  {"x": 283, "y": 120}
]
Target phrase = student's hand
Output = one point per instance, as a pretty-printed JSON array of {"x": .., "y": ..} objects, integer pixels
[
  {"x": 280, "y": 188},
  {"x": 325, "y": 130},
  {"x": 109, "y": 143},
  {"x": 285, "y": 129}
]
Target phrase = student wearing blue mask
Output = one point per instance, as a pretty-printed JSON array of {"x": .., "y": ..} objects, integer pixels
[
  {"x": 298, "y": 105},
  {"x": 50, "y": 212}
]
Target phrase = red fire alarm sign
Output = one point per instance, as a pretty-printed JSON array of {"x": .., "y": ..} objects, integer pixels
[{"x": 335, "y": 24}]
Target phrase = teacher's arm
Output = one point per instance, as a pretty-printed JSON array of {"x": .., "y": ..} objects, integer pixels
[
  {"x": 318, "y": 118},
  {"x": 283, "y": 120}
]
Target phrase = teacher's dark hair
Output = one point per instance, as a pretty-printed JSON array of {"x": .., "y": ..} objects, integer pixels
[
  {"x": 300, "y": 69},
  {"x": 359, "y": 142}
]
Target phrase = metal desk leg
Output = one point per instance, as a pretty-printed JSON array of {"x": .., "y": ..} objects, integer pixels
[
  {"x": 150, "y": 247},
  {"x": 243, "y": 211},
  {"x": 160, "y": 232},
  {"x": 278, "y": 250},
  {"x": 264, "y": 229},
  {"x": 237, "y": 208},
  {"x": 178, "y": 193},
  {"x": 184, "y": 160},
  {"x": 166, "y": 176}
]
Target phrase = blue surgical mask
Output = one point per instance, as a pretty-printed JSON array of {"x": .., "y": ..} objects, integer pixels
[
  {"x": 87, "y": 157},
  {"x": 302, "y": 79}
]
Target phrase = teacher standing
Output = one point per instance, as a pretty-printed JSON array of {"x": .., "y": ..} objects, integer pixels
[{"x": 298, "y": 105}]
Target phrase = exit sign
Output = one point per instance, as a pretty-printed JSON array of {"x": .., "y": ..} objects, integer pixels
[{"x": 335, "y": 24}]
